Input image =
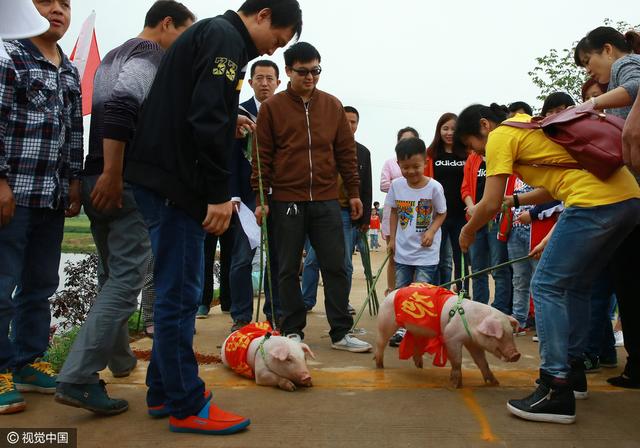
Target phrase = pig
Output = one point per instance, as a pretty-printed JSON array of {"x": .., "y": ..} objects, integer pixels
[
  {"x": 491, "y": 330},
  {"x": 283, "y": 363}
]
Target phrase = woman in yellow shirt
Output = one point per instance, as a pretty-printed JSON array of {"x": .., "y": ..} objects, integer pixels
[{"x": 599, "y": 217}]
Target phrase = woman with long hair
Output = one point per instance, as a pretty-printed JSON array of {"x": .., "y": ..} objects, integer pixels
[
  {"x": 599, "y": 218},
  {"x": 445, "y": 163}
]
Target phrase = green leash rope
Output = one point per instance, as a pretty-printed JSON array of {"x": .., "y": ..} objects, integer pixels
[
  {"x": 484, "y": 271},
  {"x": 264, "y": 240},
  {"x": 371, "y": 291}
]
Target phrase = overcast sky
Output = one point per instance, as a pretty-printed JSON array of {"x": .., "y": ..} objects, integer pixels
[{"x": 403, "y": 62}]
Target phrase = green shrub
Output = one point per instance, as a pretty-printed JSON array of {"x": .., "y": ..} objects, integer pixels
[{"x": 60, "y": 347}]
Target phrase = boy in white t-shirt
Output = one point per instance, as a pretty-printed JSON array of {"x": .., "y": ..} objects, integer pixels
[{"x": 418, "y": 209}]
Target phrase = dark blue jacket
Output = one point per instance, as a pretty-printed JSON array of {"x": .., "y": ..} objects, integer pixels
[{"x": 240, "y": 167}]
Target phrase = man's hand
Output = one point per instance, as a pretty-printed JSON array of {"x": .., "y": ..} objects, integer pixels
[
  {"x": 7, "y": 203},
  {"x": 261, "y": 212},
  {"x": 466, "y": 239},
  {"x": 427, "y": 238},
  {"x": 75, "y": 199},
  {"x": 391, "y": 246},
  {"x": 631, "y": 138},
  {"x": 356, "y": 208},
  {"x": 218, "y": 218},
  {"x": 107, "y": 194},
  {"x": 244, "y": 126}
]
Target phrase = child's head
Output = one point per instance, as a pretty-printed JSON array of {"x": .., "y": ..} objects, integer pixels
[
  {"x": 376, "y": 204},
  {"x": 412, "y": 155},
  {"x": 556, "y": 102},
  {"x": 374, "y": 211}
]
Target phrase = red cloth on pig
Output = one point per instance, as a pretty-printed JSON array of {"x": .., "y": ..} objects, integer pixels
[
  {"x": 237, "y": 347},
  {"x": 421, "y": 304}
]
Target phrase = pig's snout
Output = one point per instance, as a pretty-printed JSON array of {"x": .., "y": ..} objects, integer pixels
[
  {"x": 305, "y": 380},
  {"x": 514, "y": 357}
]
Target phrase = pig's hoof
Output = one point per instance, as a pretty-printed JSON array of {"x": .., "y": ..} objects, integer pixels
[
  {"x": 491, "y": 381},
  {"x": 419, "y": 364},
  {"x": 287, "y": 385},
  {"x": 456, "y": 381}
]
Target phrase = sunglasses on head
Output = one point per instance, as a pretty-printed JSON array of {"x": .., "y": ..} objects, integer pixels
[{"x": 305, "y": 71}]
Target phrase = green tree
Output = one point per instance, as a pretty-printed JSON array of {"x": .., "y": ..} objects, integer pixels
[{"x": 556, "y": 71}]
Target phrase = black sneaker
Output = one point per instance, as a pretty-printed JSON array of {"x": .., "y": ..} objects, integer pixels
[
  {"x": 238, "y": 324},
  {"x": 396, "y": 339},
  {"x": 578, "y": 379},
  {"x": 351, "y": 310},
  {"x": 625, "y": 379},
  {"x": 552, "y": 402},
  {"x": 92, "y": 397},
  {"x": 591, "y": 364}
]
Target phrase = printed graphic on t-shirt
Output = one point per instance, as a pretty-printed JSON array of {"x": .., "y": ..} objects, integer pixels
[
  {"x": 405, "y": 212},
  {"x": 424, "y": 213}
]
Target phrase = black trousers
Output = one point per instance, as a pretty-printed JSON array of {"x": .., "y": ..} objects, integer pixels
[
  {"x": 322, "y": 223},
  {"x": 624, "y": 267},
  {"x": 226, "y": 246}
]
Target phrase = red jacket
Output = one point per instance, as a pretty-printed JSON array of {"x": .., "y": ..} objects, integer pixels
[
  {"x": 470, "y": 180},
  {"x": 428, "y": 168}
]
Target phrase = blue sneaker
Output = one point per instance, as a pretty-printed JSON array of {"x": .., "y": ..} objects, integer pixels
[
  {"x": 36, "y": 377},
  {"x": 11, "y": 400},
  {"x": 203, "y": 312},
  {"x": 92, "y": 397}
]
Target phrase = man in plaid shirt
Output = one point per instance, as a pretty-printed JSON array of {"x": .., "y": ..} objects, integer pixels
[{"x": 40, "y": 166}]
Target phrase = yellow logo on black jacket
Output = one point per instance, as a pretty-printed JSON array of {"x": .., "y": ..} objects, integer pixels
[{"x": 224, "y": 66}]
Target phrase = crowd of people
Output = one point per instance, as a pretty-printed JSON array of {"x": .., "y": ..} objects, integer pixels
[{"x": 173, "y": 159}]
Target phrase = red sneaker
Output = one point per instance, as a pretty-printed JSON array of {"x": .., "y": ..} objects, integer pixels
[
  {"x": 210, "y": 420},
  {"x": 162, "y": 411}
]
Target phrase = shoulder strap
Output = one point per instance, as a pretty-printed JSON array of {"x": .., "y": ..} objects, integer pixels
[{"x": 522, "y": 125}]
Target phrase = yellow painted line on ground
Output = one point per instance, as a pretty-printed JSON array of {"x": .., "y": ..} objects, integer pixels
[
  {"x": 364, "y": 379},
  {"x": 478, "y": 413}
]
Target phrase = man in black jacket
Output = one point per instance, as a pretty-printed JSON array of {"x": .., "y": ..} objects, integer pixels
[{"x": 178, "y": 166}]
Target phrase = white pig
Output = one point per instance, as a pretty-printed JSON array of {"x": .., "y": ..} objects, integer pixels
[
  {"x": 491, "y": 330},
  {"x": 281, "y": 362}
]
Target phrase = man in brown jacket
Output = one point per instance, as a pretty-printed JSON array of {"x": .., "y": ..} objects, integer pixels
[{"x": 304, "y": 141}]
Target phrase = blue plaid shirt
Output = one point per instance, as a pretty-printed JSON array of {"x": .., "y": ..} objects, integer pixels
[{"x": 40, "y": 126}]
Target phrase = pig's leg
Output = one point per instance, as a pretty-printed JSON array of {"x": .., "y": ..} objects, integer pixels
[
  {"x": 454, "y": 352},
  {"x": 266, "y": 377},
  {"x": 386, "y": 327},
  {"x": 480, "y": 358},
  {"x": 417, "y": 357}
]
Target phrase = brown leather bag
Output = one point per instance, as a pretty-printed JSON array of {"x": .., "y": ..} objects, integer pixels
[{"x": 591, "y": 137}]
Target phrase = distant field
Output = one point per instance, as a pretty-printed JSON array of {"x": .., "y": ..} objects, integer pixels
[{"x": 77, "y": 236}]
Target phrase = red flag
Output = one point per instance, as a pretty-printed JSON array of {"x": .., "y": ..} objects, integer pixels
[{"x": 86, "y": 58}]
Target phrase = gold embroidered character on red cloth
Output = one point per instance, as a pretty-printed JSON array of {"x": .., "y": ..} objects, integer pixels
[
  {"x": 421, "y": 304},
  {"x": 237, "y": 346}
]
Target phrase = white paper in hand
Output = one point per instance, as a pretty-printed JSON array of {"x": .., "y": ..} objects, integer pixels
[{"x": 249, "y": 225}]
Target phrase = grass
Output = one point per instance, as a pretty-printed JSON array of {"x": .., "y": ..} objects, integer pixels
[{"x": 77, "y": 236}]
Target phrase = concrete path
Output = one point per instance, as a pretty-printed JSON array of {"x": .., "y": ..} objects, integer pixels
[{"x": 354, "y": 405}]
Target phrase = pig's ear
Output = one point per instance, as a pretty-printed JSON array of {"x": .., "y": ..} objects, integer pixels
[
  {"x": 514, "y": 323},
  {"x": 307, "y": 350},
  {"x": 280, "y": 352},
  {"x": 492, "y": 327}
]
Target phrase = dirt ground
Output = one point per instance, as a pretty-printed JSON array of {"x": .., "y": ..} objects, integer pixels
[{"x": 352, "y": 404}]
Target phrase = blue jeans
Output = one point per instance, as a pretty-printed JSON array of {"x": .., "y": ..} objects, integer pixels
[
  {"x": 177, "y": 241},
  {"x": 600, "y": 341},
  {"x": 240, "y": 281},
  {"x": 488, "y": 251},
  {"x": 518, "y": 246},
  {"x": 407, "y": 274},
  {"x": 582, "y": 244},
  {"x": 29, "y": 261},
  {"x": 374, "y": 240},
  {"x": 311, "y": 269},
  {"x": 450, "y": 253}
]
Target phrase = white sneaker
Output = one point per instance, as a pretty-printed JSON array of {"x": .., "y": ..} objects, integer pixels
[
  {"x": 351, "y": 344},
  {"x": 619, "y": 338},
  {"x": 535, "y": 338},
  {"x": 295, "y": 337}
]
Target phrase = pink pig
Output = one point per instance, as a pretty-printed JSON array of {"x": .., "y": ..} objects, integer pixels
[
  {"x": 281, "y": 362},
  {"x": 491, "y": 330}
]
